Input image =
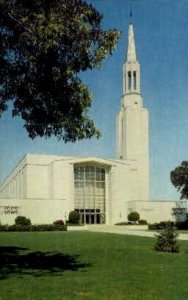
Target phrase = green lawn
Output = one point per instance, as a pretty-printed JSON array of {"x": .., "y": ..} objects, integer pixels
[{"x": 90, "y": 266}]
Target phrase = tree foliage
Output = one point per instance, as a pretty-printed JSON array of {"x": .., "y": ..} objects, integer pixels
[
  {"x": 44, "y": 47},
  {"x": 179, "y": 178}
]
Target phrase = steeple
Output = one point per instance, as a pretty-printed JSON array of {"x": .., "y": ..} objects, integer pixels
[
  {"x": 132, "y": 120},
  {"x": 131, "y": 68},
  {"x": 131, "y": 49}
]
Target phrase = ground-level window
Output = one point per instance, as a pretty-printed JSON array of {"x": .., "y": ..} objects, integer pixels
[{"x": 89, "y": 193}]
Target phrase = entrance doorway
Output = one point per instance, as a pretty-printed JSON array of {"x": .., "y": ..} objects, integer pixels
[
  {"x": 89, "y": 193},
  {"x": 90, "y": 216}
]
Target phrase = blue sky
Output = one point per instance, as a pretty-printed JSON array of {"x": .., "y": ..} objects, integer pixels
[{"x": 161, "y": 33}]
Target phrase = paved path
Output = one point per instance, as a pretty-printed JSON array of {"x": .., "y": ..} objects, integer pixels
[{"x": 122, "y": 230}]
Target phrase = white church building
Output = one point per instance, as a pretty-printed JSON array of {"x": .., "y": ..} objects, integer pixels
[{"x": 45, "y": 188}]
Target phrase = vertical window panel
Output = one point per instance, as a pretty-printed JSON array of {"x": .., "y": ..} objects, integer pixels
[
  {"x": 89, "y": 193},
  {"x": 129, "y": 81},
  {"x": 134, "y": 80}
]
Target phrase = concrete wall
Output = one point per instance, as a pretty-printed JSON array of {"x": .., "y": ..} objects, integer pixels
[
  {"x": 153, "y": 211},
  {"x": 39, "y": 211},
  {"x": 38, "y": 183},
  {"x": 122, "y": 178},
  {"x": 63, "y": 180}
]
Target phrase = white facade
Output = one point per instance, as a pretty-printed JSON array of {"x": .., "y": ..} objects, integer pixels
[
  {"x": 55, "y": 185},
  {"x": 47, "y": 187},
  {"x": 153, "y": 211}
]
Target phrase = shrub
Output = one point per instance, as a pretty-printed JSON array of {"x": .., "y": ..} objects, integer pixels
[
  {"x": 161, "y": 225},
  {"x": 74, "y": 224},
  {"x": 59, "y": 222},
  {"x": 133, "y": 216},
  {"x": 154, "y": 226},
  {"x": 41, "y": 227},
  {"x": 124, "y": 223},
  {"x": 74, "y": 217},
  {"x": 167, "y": 239},
  {"x": 20, "y": 220},
  {"x": 58, "y": 227},
  {"x": 182, "y": 225},
  {"x": 142, "y": 222},
  {"x": 48, "y": 227},
  {"x": 19, "y": 227},
  {"x": 165, "y": 224},
  {"x": 3, "y": 227},
  {"x": 121, "y": 223}
]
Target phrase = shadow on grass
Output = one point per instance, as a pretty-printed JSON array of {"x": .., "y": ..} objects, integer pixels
[{"x": 14, "y": 261}]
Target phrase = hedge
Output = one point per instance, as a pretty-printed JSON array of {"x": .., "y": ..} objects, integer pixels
[{"x": 40, "y": 227}]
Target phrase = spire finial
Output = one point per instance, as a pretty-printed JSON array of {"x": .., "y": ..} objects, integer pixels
[
  {"x": 131, "y": 16},
  {"x": 131, "y": 50}
]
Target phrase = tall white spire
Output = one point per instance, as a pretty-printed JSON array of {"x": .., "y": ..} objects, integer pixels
[
  {"x": 131, "y": 49},
  {"x": 132, "y": 120},
  {"x": 131, "y": 68}
]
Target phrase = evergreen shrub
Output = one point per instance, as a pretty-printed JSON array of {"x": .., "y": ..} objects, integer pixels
[
  {"x": 74, "y": 217},
  {"x": 21, "y": 220}
]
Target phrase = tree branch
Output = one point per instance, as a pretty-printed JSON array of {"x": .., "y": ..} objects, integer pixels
[{"x": 20, "y": 23}]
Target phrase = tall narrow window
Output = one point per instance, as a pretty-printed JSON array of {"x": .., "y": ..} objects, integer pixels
[
  {"x": 129, "y": 80},
  {"x": 134, "y": 80},
  {"x": 89, "y": 193}
]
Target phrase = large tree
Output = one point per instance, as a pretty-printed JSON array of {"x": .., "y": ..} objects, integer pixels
[
  {"x": 179, "y": 178},
  {"x": 44, "y": 47}
]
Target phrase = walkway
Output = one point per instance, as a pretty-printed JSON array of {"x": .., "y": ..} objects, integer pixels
[{"x": 123, "y": 230}]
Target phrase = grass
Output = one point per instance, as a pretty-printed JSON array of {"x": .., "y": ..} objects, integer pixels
[{"x": 89, "y": 266}]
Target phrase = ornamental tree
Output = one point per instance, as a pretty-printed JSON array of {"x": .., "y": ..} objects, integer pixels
[
  {"x": 179, "y": 178},
  {"x": 133, "y": 216},
  {"x": 44, "y": 47}
]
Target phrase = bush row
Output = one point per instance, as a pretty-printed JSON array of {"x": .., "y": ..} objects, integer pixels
[
  {"x": 162, "y": 225},
  {"x": 41, "y": 227},
  {"x": 159, "y": 226},
  {"x": 140, "y": 222},
  {"x": 182, "y": 225},
  {"x": 24, "y": 224}
]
